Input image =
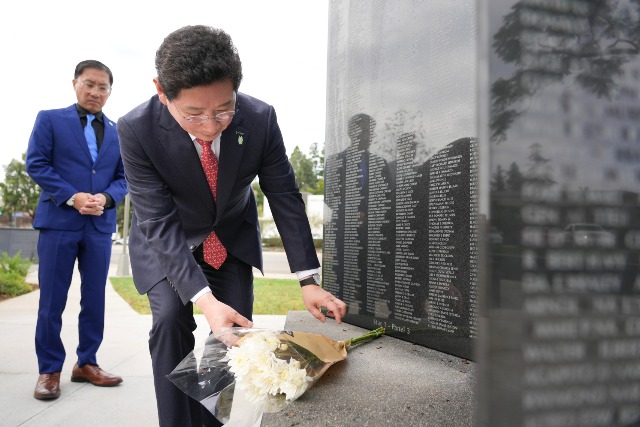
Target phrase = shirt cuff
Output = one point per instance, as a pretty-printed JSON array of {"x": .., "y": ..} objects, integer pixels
[
  {"x": 199, "y": 294},
  {"x": 110, "y": 203},
  {"x": 306, "y": 273}
]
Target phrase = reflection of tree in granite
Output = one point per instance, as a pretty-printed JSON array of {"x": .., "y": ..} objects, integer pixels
[
  {"x": 398, "y": 126},
  {"x": 539, "y": 171},
  {"x": 507, "y": 188},
  {"x": 498, "y": 181},
  {"x": 508, "y": 217},
  {"x": 588, "y": 43},
  {"x": 507, "y": 210}
]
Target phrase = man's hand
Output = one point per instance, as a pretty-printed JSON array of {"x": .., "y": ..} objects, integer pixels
[
  {"x": 90, "y": 204},
  {"x": 220, "y": 316},
  {"x": 314, "y": 297}
]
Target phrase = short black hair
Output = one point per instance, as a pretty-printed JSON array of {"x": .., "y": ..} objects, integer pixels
[
  {"x": 92, "y": 63},
  {"x": 196, "y": 55},
  {"x": 360, "y": 130}
]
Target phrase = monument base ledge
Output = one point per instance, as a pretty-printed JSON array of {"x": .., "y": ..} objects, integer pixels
[{"x": 385, "y": 382}]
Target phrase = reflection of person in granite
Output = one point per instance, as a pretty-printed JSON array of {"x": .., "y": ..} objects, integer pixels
[
  {"x": 367, "y": 220},
  {"x": 349, "y": 212},
  {"x": 442, "y": 224},
  {"x": 350, "y": 204},
  {"x": 360, "y": 133}
]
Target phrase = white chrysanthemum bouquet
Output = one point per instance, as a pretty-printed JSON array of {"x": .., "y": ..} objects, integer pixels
[
  {"x": 242, "y": 373},
  {"x": 262, "y": 370}
]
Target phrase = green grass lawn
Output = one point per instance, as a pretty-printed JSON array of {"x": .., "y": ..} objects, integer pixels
[{"x": 272, "y": 296}]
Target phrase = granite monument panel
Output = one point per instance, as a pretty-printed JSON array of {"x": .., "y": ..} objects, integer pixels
[
  {"x": 401, "y": 174},
  {"x": 560, "y": 309}
]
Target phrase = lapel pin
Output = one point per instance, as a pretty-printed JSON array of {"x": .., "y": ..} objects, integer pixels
[{"x": 240, "y": 137}]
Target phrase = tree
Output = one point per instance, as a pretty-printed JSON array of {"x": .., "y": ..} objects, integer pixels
[
  {"x": 303, "y": 168},
  {"x": 19, "y": 192},
  {"x": 319, "y": 186},
  {"x": 317, "y": 159},
  {"x": 257, "y": 191}
]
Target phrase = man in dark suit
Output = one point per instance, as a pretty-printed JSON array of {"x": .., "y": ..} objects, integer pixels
[
  {"x": 190, "y": 154},
  {"x": 74, "y": 156}
]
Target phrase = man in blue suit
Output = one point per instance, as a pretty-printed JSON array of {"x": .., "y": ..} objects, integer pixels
[
  {"x": 190, "y": 154},
  {"x": 74, "y": 156}
]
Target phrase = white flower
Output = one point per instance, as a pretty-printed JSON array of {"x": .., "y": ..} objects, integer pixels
[
  {"x": 261, "y": 374},
  {"x": 293, "y": 380}
]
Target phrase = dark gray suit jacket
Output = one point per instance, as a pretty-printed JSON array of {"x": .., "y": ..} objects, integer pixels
[{"x": 174, "y": 209}]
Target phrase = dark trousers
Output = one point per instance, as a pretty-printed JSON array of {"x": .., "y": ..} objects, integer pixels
[
  {"x": 57, "y": 253},
  {"x": 171, "y": 338}
]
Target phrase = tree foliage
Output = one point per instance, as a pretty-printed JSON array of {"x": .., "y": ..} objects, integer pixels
[
  {"x": 19, "y": 192},
  {"x": 307, "y": 169},
  {"x": 588, "y": 46},
  {"x": 257, "y": 191},
  {"x": 317, "y": 159}
]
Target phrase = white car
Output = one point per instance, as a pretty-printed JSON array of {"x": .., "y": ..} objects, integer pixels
[{"x": 589, "y": 234}]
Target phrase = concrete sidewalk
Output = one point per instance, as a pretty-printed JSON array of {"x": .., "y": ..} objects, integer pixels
[{"x": 124, "y": 352}]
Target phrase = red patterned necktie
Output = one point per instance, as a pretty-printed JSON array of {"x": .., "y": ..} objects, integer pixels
[{"x": 214, "y": 251}]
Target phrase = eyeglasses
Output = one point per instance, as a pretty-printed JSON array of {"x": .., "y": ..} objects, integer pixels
[
  {"x": 222, "y": 117},
  {"x": 90, "y": 86}
]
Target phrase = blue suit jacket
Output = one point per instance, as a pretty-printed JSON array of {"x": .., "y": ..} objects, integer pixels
[
  {"x": 174, "y": 209},
  {"x": 59, "y": 161}
]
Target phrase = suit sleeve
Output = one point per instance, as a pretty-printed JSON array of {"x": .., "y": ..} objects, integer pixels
[
  {"x": 157, "y": 216},
  {"x": 39, "y": 162},
  {"x": 278, "y": 183}
]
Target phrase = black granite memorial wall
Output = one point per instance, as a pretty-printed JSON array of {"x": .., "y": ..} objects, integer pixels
[
  {"x": 538, "y": 218},
  {"x": 560, "y": 309},
  {"x": 401, "y": 174}
]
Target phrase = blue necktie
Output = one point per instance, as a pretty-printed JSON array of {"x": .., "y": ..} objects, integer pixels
[
  {"x": 90, "y": 135},
  {"x": 363, "y": 169}
]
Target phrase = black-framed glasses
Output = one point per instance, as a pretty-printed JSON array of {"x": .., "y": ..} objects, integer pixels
[
  {"x": 90, "y": 86},
  {"x": 222, "y": 117}
]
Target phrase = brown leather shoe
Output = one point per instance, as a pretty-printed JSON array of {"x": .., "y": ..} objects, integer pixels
[
  {"x": 95, "y": 375},
  {"x": 48, "y": 386}
]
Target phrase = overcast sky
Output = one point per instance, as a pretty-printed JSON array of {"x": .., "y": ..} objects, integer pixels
[{"x": 282, "y": 45}]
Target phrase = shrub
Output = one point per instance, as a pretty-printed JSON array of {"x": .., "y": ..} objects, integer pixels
[
  {"x": 12, "y": 284},
  {"x": 15, "y": 264},
  {"x": 12, "y": 273}
]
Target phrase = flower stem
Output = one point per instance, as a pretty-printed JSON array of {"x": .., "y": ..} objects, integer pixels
[{"x": 367, "y": 337}]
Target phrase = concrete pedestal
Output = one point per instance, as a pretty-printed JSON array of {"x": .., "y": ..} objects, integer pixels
[{"x": 385, "y": 382}]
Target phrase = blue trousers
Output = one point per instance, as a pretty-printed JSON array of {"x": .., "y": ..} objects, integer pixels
[{"x": 58, "y": 251}]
